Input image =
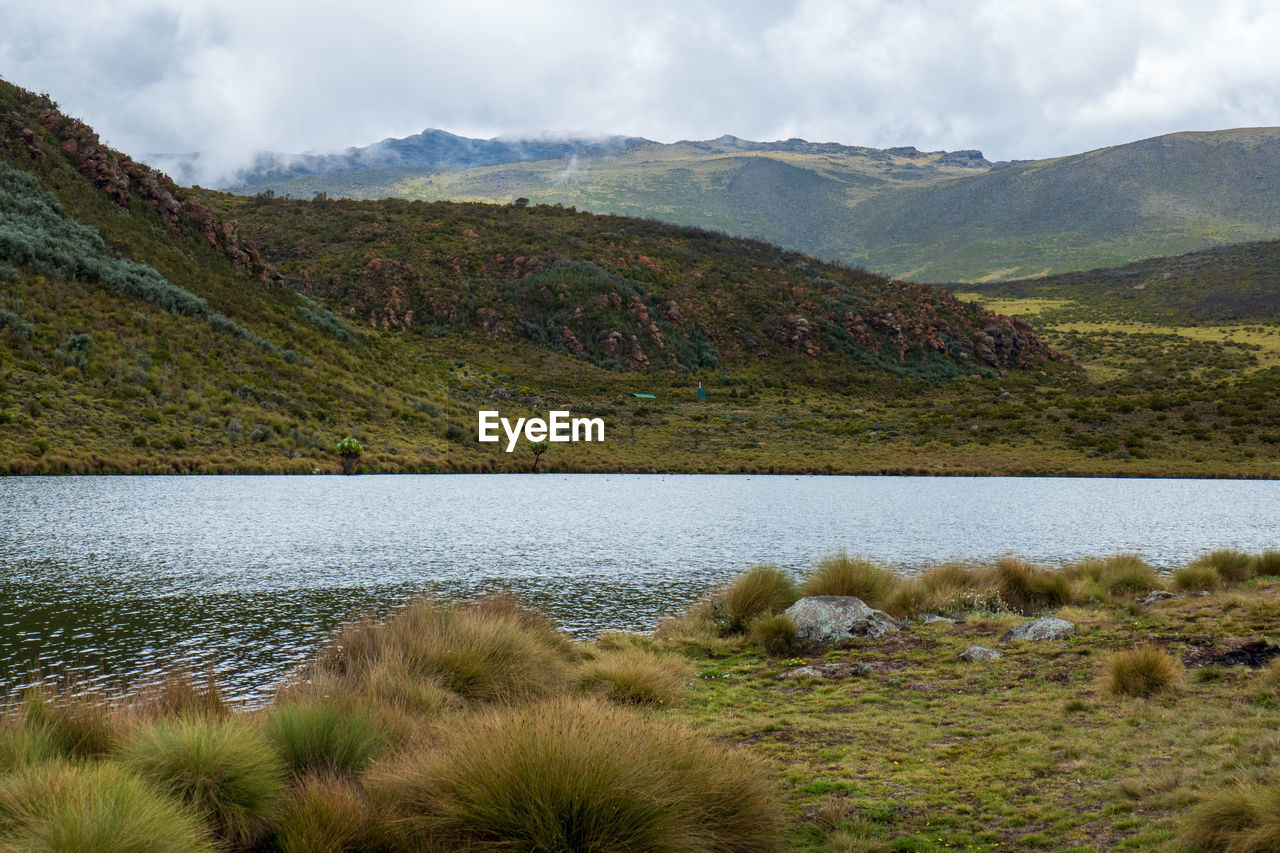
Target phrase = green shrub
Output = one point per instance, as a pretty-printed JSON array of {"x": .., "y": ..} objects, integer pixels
[
  {"x": 759, "y": 591},
  {"x": 1196, "y": 577},
  {"x": 1233, "y": 566},
  {"x": 1029, "y": 589},
  {"x": 635, "y": 676},
  {"x": 1242, "y": 818},
  {"x": 317, "y": 736},
  {"x": 93, "y": 807},
  {"x": 1144, "y": 671},
  {"x": 578, "y": 775},
  {"x": 840, "y": 574},
  {"x": 21, "y": 328},
  {"x": 325, "y": 814},
  {"x": 775, "y": 634},
  {"x": 224, "y": 769}
]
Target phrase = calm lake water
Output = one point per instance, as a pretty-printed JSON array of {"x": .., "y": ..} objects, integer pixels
[{"x": 119, "y": 576}]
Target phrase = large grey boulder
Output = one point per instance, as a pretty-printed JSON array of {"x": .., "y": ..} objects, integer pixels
[
  {"x": 832, "y": 618},
  {"x": 1041, "y": 629}
]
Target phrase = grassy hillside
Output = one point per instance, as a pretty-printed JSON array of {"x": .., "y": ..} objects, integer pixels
[
  {"x": 900, "y": 212},
  {"x": 146, "y": 327}
]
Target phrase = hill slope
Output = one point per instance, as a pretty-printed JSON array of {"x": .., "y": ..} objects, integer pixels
[{"x": 924, "y": 216}]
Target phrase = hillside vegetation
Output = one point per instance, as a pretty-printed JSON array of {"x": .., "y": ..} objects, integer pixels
[
  {"x": 150, "y": 328},
  {"x": 924, "y": 216}
]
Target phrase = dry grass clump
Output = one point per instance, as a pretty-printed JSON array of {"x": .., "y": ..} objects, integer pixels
[
  {"x": 224, "y": 769},
  {"x": 489, "y": 651},
  {"x": 1244, "y": 818},
  {"x": 775, "y": 635},
  {"x": 578, "y": 775},
  {"x": 323, "y": 814},
  {"x": 1233, "y": 566},
  {"x": 840, "y": 574},
  {"x": 1028, "y": 588},
  {"x": 635, "y": 676},
  {"x": 181, "y": 692},
  {"x": 695, "y": 631},
  {"x": 1197, "y": 577},
  {"x": 759, "y": 591},
  {"x": 93, "y": 807},
  {"x": 324, "y": 737},
  {"x": 1144, "y": 671}
]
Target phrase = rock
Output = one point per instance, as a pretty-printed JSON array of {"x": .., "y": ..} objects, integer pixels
[
  {"x": 931, "y": 618},
  {"x": 973, "y": 654},
  {"x": 832, "y": 618},
  {"x": 1041, "y": 629},
  {"x": 830, "y": 670},
  {"x": 1157, "y": 595}
]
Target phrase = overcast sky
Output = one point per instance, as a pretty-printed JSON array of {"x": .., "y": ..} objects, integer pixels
[{"x": 1015, "y": 78}]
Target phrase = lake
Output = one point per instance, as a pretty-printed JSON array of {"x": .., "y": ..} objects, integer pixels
[{"x": 116, "y": 577}]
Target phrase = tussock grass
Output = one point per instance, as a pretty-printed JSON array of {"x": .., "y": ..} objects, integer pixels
[
  {"x": 1028, "y": 588},
  {"x": 323, "y": 814},
  {"x": 488, "y": 651},
  {"x": 224, "y": 769},
  {"x": 840, "y": 574},
  {"x": 695, "y": 631},
  {"x": 949, "y": 579},
  {"x": 77, "y": 726},
  {"x": 22, "y": 745},
  {"x": 759, "y": 591},
  {"x": 578, "y": 775},
  {"x": 324, "y": 737},
  {"x": 1197, "y": 577},
  {"x": 775, "y": 635},
  {"x": 635, "y": 676},
  {"x": 93, "y": 807},
  {"x": 1144, "y": 671},
  {"x": 1243, "y": 818},
  {"x": 1233, "y": 566},
  {"x": 181, "y": 692},
  {"x": 1267, "y": 564},
  {"x": 1119, "y": 574}
]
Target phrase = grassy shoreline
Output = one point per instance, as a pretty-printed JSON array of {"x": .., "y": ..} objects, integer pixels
[{"x": 399, "y": 734}]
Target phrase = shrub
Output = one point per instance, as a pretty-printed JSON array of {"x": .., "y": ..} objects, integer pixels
[
  {"x": 1027, "y": 588},
  {"x": 490, "y": 651},
  {"x": 324, "y": 814},
  {"x": 1144, "y": 671},
  {"x": 21, "y": 328},
  {"x": 775, "y": 634},
  {"x": 260, "y": 433},
  {"x": 1243, "y": 818},
  {"x": 92, "y": 807},
  {"x": 635, "y": 676},
  {"x": 318, "y": 736},
  {"x": 1196, "y": 577},
  {"x": 1233, "y": 566},
  {"x": 759, "y": 591},
  {"x": 841, "y": 574},
  {"x": 222, "y": 768},
  {"x": 577, "y": 775}
]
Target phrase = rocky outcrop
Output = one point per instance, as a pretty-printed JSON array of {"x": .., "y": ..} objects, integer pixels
[
  {"x": 1041, "y": 630},
  {"x": 45, "y": 135},
  {"x": 832, "y": 618},
  {"x": 975, "y": 654}
]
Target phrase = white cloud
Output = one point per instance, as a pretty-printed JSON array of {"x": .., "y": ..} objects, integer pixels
[{"x": 1015, "y": 79}]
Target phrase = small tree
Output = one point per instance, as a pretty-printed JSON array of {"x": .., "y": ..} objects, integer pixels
[
  {"x": 349, "y": 449},
  {"x": 537, "y": 448}
]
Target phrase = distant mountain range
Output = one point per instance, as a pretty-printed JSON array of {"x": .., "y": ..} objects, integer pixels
[{"x": 928, "y": 216}]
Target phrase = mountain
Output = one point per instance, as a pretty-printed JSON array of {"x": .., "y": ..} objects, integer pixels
[
  {"x": 147, "y": 327},
  {"x": 935, "y": 216}
]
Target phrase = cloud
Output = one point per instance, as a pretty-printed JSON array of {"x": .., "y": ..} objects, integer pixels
[{"x": 1015, "y": 79}]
